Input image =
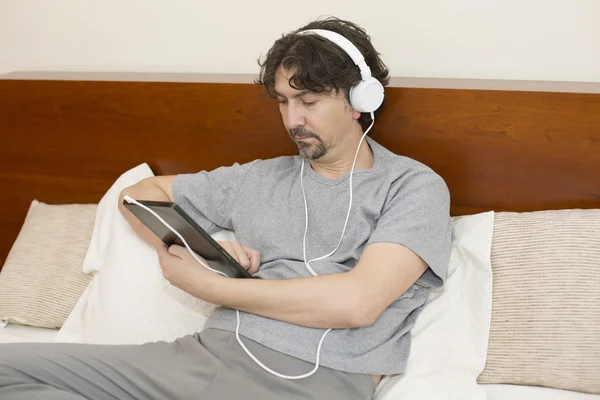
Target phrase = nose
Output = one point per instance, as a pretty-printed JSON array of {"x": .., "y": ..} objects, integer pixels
[{"x": 293, "y": 116}]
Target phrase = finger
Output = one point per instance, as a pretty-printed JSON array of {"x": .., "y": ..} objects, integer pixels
[
  {"x": 177, "y": 251},
  {"x": 228, "y": 246},
  {"x": 163, "y": 253},
  {"x": 229, "y": 249},
  {"x": 163, "y": 256},
  {"x": 242, "y": 257},
  {"x": 254, "y": 256}
]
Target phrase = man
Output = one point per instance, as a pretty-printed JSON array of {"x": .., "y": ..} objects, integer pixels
[{"x": 347, "y": 242}]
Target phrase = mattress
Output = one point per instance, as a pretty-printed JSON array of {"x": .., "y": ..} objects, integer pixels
[
  {"x": 516, "y": 392},
  {"x": 13, "y": 333}
]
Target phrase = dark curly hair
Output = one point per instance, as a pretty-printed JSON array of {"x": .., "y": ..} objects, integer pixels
[{"x": 319, "y": 64}]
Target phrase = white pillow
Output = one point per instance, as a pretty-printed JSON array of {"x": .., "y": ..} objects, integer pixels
[
  {"x": 128, "y": 301},
  {"x": 71, "y": 331},
  {"x": 105, "y": 215},
  {"x": 450, "y": 336}
]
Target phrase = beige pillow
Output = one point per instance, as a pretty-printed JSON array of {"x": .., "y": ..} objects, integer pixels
[
  {"x": 42, "y": 278},
  {"x": 545, "y": 328}
]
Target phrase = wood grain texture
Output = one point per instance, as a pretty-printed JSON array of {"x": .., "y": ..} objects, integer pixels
[{"x": 67, "y": 141}]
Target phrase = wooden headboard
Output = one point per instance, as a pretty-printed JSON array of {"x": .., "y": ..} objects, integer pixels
[{"x": 66, "y": 141}]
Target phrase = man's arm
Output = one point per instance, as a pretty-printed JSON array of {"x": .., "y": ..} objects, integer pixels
[
  {"x": 158, "y": 188},
  {"x": 344, "y": 300}
]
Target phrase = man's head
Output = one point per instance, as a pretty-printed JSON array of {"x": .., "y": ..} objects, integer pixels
[{"x": 311, "y": 76}]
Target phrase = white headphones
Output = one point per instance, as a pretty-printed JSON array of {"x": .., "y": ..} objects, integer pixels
[{"x": 367, "y": 96}]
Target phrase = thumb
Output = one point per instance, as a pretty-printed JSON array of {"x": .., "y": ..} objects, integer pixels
[{"x": 177, "y": 251}]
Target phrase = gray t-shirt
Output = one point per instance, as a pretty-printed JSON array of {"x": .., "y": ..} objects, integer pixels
[{"x": 399, "y": 200}]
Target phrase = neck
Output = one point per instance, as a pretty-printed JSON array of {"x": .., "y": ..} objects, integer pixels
[{"x": 338, "y": 161}]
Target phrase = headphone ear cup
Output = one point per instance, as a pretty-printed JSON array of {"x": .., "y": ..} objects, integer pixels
[{"x": 367, "y": 96}]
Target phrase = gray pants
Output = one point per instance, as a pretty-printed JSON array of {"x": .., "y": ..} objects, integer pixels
[{"x": 206, "y": 365}]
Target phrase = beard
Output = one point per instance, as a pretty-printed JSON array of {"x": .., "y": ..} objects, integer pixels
[{"x": 311, "y": 150}]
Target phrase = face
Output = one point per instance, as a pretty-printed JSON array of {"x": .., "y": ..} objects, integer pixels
[{"x": 316, "y": 122}]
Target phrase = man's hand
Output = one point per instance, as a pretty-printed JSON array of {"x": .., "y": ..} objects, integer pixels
[
  {"x": 182, "y": 270},
  {"x": 247, "y": 257}
]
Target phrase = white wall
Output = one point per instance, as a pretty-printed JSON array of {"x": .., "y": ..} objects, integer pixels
[{"x": 504, "y": 39}]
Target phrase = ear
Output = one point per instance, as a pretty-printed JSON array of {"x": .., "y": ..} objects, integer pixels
[{"x": 355, "y": 114}]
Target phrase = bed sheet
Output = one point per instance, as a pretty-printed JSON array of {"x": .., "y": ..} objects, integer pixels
[
  {"x": 13, "y": 333},
  {"x": 517, "y": 392}
]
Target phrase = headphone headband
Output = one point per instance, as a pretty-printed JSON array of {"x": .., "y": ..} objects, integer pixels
[
  {"x": 367, "y": 95},
  {"x": 347, "y": 46}
]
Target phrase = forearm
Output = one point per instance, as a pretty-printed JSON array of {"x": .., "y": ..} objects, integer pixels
[
  {"x": 144, "y": 190},
  {"x": 327, "y": 301}
]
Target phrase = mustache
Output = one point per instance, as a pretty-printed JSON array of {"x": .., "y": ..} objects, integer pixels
[{"x": 301, "y": 132}]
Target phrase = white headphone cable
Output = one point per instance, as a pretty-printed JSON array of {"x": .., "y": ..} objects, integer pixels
[
  {"x": 306, "y": 263},
  {"x": 349, "y": 206},
  {"x": 165, "y": 223}
]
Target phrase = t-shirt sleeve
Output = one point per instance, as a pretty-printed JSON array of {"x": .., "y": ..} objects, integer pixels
[
  {"x": 417, "y": 215},
  {"x": 208, "y": 196}
]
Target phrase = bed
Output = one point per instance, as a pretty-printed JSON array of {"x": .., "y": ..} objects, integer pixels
[{"x": 67, "y": 137}]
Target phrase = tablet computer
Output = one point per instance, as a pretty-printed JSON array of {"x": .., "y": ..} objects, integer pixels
[{"x": 197, "y": 238}]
